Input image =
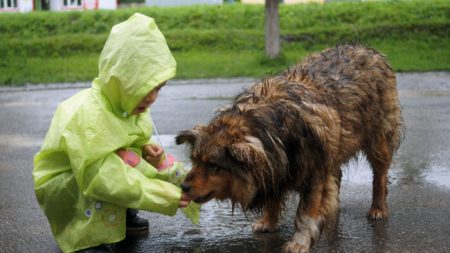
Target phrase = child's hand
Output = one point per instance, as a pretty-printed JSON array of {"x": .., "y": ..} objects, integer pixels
[
  {"x": 153, "y": 154},
  {"x": 167, "y": 163},
  {"x": 184, "y": 201}
]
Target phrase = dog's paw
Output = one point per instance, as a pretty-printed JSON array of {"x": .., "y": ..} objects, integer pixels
[
  {"x": 263, "y": 226},
  {"x": 295, "y": 247},
  {"x": 378, "y": 213}
]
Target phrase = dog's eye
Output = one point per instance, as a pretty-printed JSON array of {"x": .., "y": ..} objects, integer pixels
[{"x": 212, "y": 167}]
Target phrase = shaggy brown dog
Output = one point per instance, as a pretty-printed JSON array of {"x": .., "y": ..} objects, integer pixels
[{"x": 292, "y": 133}]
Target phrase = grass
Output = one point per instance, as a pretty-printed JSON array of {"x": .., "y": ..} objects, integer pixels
[
  {"x": 210, "y": 64},
  {"x": 32, "y": 70},
  {"x": 417, "y": 55},
  {"x": 404, "y": 56}
]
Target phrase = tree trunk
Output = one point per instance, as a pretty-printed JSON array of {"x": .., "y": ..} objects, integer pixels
[{"x": 272, "y": 29}]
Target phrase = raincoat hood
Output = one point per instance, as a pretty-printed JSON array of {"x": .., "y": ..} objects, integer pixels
[{"x": 134, "y": 60}]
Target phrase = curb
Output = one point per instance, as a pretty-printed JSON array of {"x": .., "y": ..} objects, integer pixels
[{"x": 83, "y": 85}]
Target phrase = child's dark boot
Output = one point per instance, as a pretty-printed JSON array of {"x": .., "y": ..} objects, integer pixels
[
  {"x": 136, "y": 224},
  {"x": 104, "y": 248}
]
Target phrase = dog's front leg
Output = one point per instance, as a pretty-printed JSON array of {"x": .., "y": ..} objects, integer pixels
[
  {"x": 269, "y": 221},
  {"x": 308, "y": 223},
  {"x": 318, "y": 205}
]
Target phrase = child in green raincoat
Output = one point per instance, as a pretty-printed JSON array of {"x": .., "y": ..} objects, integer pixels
[{"x": 97, "y": 161}]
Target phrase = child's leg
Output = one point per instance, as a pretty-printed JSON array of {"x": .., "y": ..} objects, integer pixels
[
  {"x": 136, "y": 223},
  {"x": 104, "y": 248}
]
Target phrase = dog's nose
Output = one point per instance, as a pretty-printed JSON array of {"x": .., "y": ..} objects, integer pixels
[{"x": 185, "y": 187}]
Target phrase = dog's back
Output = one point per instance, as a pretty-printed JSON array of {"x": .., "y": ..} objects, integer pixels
[
  {"x": 360, "y": 85},
  {"x": 352, "y": 89}
]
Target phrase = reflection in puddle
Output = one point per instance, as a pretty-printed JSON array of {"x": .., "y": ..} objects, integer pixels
[
  {"x": 422, "y": 168},
  {"x": 438, "y": 175},
  {"x": 357, "y": 171}
]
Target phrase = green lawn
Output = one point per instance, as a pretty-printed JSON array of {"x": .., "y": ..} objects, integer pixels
[
  {"x": 226, "y": 41},
  {"x": 403, "y": 56}
]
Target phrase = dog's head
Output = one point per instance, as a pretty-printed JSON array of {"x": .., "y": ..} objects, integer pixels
[{"x": 224, "y": 156}]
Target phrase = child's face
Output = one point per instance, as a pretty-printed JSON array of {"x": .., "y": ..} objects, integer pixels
[{"x": 148, "y": 100}]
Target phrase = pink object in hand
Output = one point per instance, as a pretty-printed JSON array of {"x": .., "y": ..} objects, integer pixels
[
  {"x": 168, "y": 162},
  {"x": 129, "y": 157}
]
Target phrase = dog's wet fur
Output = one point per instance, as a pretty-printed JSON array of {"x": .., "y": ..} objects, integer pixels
[{"x": 292, "y": 133}]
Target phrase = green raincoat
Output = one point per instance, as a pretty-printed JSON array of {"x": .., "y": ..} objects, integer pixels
[{"x": 81, "y": 184}]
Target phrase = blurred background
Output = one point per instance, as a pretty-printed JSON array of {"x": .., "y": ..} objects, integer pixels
[{"x": 52, "y": 41}]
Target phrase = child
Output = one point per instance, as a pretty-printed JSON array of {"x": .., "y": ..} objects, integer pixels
[{"x": 90, "y": 170}]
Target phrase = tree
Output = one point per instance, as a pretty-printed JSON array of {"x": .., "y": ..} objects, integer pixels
[{"x": 272, "y": 29}]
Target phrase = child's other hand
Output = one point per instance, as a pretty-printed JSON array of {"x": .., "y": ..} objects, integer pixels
[
  {"x": 184, "y": 201},
  {"x": 153, "y": 154},
  {"x": 128, "y": 157},
  {"x": 167, "y": 163}
]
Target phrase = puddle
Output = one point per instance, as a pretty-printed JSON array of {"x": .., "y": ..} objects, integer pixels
[
  {"x": 210, "y": 98},
  {"x": 19, "y": 141},
  {"x": 438, "y": 175},
  {"x": 357, "y": 171},
  {"x": 426, "y": 93}
]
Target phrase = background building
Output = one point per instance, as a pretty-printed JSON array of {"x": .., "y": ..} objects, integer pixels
[
  {"x": 180, "y": 2},
  {"x": 283, "y": 1},
  {"x": 55, "y": 5}
]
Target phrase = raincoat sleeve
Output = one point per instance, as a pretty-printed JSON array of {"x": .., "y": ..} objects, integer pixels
[
  {"x": 101, "y": 174},
  {"x": 109, "y": 179},
  {"x": 175, "y": 174}
]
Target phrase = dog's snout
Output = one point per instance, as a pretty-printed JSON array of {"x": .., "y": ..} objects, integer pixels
[{"x": 185, "y": 187}]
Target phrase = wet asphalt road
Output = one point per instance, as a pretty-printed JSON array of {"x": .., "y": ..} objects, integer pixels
[{"x": 419, "y": 190}]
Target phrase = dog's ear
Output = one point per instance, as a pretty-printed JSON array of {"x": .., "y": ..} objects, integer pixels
[
  {"x": 189, "y": 136},
  {"x": 251, "y": 151},
  {"x": 222, "y": 158}
]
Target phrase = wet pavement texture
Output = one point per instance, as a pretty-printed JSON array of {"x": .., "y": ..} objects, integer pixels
[{"x": 419, "y": 188}]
